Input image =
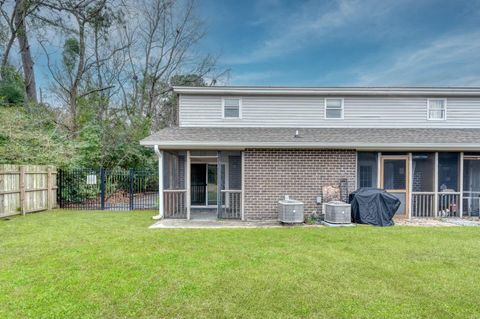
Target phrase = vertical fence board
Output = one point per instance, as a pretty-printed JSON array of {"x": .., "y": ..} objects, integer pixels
[{"x": 26, "y": 189}]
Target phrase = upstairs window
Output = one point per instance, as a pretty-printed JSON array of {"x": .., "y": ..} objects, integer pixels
[
  {"x": 437, "y": 109},
  {"x": 231, "y": 108},
  {"x": 334, "y": 108}
]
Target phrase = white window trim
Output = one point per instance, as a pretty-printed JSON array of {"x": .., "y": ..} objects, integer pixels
[
  {"x": 444, "y": 113},
  {"x": 239, "y": 109},
  {"x": 325, "y": 108}
]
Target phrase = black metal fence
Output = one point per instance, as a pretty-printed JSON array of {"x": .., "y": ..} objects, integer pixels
[{"x": 107, "y": 189}]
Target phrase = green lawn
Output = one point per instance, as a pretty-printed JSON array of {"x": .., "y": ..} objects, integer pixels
[{"x": 109, "y": 265}]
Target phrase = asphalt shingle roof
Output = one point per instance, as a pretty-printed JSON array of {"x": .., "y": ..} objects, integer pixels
[{"x": 314, "y": 137}]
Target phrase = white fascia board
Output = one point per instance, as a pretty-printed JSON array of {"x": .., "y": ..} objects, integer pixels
[{"x": 330, "y": 91}]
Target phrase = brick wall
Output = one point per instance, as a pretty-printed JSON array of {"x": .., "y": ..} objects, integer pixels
[{"x": 272, "y": 174}]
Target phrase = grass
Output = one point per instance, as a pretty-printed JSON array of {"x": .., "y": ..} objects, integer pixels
[{"x": 109, "y": 265}]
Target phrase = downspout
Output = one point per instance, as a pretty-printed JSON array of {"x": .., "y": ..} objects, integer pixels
[{"x": 160, "y": 183}]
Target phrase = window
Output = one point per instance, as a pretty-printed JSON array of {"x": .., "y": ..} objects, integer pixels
[
  {"x": 231, "y": 108},
  {"x": 437, "y": 109},
  {"x": 334, "y": 108}
]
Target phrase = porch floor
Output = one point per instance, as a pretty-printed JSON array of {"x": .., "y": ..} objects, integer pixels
[{"x": 204, "y": 214}]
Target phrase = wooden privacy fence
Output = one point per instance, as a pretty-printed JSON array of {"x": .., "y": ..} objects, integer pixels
[{"x": 27, "y": 188}]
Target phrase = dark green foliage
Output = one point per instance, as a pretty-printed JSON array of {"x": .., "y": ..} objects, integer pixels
[
  {"x": 71, "y": 50},
  {"x": 30, "y": 138},
  {"x": 11, "y": 87}
]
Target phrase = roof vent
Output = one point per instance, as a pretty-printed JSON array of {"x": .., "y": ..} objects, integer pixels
[{"x": 297, "y": 134}]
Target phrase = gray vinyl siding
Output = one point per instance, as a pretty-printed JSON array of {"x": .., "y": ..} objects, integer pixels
[{"x": 308, "y": 111}]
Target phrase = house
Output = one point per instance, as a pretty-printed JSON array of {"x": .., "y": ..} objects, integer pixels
[{"x": 238, "y": 150}]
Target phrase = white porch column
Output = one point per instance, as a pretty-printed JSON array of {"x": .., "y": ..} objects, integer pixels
[
  {"x": 410, "y": 185},
  {"x": 435, "y": 211},
  {"x": 160, "y": 183},
  {"x": 219, "y": 182},
  {"x": 460, "y": 204},
  {"x": 379, "y": 169},
  {"x": 188, "y": 184},
  {"x": 243, "y": 185}
]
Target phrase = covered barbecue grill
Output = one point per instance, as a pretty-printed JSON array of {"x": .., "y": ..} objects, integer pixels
[{"x": 373, "y": 206}]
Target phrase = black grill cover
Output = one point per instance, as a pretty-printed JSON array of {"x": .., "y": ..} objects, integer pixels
[{"x": 373, "y": 206}]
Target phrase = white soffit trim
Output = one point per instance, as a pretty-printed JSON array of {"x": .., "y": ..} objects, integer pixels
[{"x": 342, "y": 91}]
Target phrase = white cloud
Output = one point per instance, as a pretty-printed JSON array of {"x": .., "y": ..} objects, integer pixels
[
  {"x": 312, "y": 22},
  {"x": 448, "y": 60}
]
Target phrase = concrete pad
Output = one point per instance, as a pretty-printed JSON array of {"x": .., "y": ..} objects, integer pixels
[
  {"x": 463, "y": 222},
  {"x": 183, "y": 223},
  {"x": 324, "y": 223}
]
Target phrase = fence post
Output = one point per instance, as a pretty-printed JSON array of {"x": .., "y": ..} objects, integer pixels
[
  {"x": 130, "y": 189},
  {"x": 59, "y": 188},
  {"x": 49, "y": 188},
  {"x": 21, "y": 184},
  {"x": 102, "y": 188}
]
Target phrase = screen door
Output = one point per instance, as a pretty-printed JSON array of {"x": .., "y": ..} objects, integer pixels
[{"x": 394, "y": 179}]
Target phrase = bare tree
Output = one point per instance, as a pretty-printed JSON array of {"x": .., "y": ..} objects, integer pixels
[
  {"x": 163, "y": 37},
  {"x": 21, "y": 11},
  {"x": 76, "y": 63},
  {"x": 136, "y": 55},
  {"x": 17, "y": 26},
  {"x": 8, "y": 18}
]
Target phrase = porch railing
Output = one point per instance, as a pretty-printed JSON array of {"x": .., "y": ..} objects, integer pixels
[
  {"x": 232, "y": 208},
  {"x": 174, "y": 204},
  {"x": 423, "y": 204},
  {"x": 198, "y": 194},
  {"x": 471, "y": 203},
  {"x": 448, "y": 204}
]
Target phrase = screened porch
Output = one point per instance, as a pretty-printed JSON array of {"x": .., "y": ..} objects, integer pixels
[
  {"x": 429, "y": 184},
  {"x": 202, "y": 184}
]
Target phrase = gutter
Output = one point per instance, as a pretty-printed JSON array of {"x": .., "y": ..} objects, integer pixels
[
  {"x": 331, "y": 91},
  {"x": 292, "y": 145}
]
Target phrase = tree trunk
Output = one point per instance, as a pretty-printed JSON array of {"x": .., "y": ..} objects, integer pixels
[
  {"x": 27, "y": 62},
  {"x": 73, "y": 111},
  {"x": 6, "y": 52}
]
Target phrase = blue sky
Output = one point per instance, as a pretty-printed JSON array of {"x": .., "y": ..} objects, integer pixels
[{"x": 327, "y": 43}]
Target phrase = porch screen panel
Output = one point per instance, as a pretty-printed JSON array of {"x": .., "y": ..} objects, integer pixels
[
  {"x": 448, "y": 184},
  {"x": 423, "y": 184},
  {"x": 448, "y": 172},
  {"x": 232, "y": 185},
  {"x": 174, "y": 170},
  {"x": 423, "y": 165},
  {"x": 235, "y": 172},
  {"x": 174, "y": 184},
  {"x": 367, "y": 167},
  {"x": 471, "y": 184}
]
